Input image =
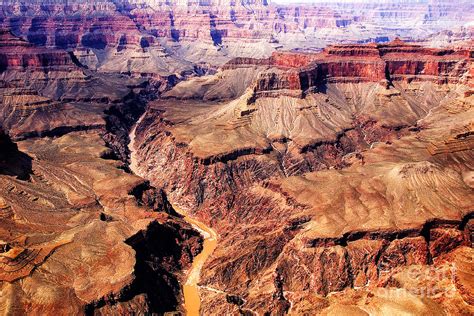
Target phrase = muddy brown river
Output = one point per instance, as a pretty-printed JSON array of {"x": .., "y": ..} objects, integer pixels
[{"x": 192, "y": 300}]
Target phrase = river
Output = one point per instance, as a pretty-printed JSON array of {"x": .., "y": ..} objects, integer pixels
[{"x": 192, "y": 300}]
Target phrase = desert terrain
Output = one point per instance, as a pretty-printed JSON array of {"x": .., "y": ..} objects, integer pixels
[{"x": 236, "y": 157}]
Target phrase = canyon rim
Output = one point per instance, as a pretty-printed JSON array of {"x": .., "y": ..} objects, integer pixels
[{"x": 236, "y": 157}]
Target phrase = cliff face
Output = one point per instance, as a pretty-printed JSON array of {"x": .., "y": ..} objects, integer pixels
[
  {"x": 6, "y": 144},
  {"x": 339, "y": 181},
  {"x": 296, "y": 73},
  {"x": 226, "y": 21},
  {"x": 18, "y": 56},
  {"x": 100, "y": 227},
  {"x": 138, "y": 36},
  {"x": 46, "y": 91}
]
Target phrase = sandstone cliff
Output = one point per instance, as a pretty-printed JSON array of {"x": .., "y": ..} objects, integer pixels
[
  {"x": 339, "y": 181},
  {"x": 297, "y": 73},
  {"x": 82, "y": 233}
]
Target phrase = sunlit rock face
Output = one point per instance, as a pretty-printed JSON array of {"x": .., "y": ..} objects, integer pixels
[
  {"x": 139, "y": 36},
  {"x": 82, "y": 231},
  {"x": 299, "y": 73},
  {"x": 331, "y": 179},
  {"x": 46, "y": 91}
]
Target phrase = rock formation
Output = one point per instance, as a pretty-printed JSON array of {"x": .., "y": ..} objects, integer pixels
[
  {"x": 74, "y": 239},
  {"x": 326, "y": 196},
  {"x": 162, "y": 37},
  {"x": 78, "y": 232},
  {"x": 338, "y": 177},
  {"x": 386, "y": 63}
]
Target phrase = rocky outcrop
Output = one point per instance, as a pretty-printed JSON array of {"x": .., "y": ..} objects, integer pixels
[
  {"x": 20, "y": 55},
  {"x": 102, "y": 227},
  {"x": 328, "y": 195},
  {"x": 369, "y": 257},
  {"x": 66, "y": 198},
  {"x": 6, "y": 144},
  {"x": 329, "y": 176},
  {"x": 294, "y": 74},
  {"x": 459, "y": 140},
  {"x": 156, "y": 287}
]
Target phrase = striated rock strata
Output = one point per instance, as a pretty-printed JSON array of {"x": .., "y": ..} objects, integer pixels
[
  {"x": 80, "y": 236},
  {"x": 164, "y": 37},
  {"x": 332, "y": 202},
  {"x": 296, "y": 73},
  {"x": 339, "y": 182}
]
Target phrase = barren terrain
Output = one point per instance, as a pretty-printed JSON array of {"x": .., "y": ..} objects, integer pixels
[{"x": 225, "y": 158}]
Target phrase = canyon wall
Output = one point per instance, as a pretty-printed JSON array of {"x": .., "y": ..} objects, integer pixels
[
  {"x": 67, "y": 198},
  {"x": 325, "y": 201},
  {"x": 329, "y": 175},
  {"x": 296, "y": 73},
  {"x": 48, "y": 92},
  {"x": 162, "y": 37},
  {"x": 102, "y": 235}
]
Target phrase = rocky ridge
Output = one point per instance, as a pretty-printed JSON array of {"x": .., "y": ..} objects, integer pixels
[
  {"x": 324, "y": 204},
  {"x": 332, "y": 178},
  {"x": 78, "y": 232},
  {"x": 296, "y": 73}
]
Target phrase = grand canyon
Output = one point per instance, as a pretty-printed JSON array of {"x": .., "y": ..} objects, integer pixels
[{"x": 236, "y": 157}]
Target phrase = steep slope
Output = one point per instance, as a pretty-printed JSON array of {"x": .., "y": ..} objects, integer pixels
[
  {"x": 326, "y": 200},
  {"x": 80, "y": 235},
  {"x": 338, "y": 181},
  {"x": 12, "y": 161},
  {"x": 78, "y": 232},
  {"x": 44, "y": 90},
  {"x": 48, "y": 92}
]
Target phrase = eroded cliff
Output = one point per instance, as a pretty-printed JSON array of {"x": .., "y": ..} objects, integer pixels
[
  {"x": 163, "y": 37},
  {"x": 327, "y": 203},
  {"x": 79, "y": 234}
]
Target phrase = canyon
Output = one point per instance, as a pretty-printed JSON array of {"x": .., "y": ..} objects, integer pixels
[
  {"x": 163, "y": 38},
  {"x": 328, "y": 175},
  {"x": 236, "y": 157}
]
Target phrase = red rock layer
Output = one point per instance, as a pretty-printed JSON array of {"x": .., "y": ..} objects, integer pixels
[
  {"x": 105, "y": 23},
  {"x": 357, "y": 63},
  {"x": 16, "y": 54},
  {"x": 258, "y": 225},
  {"x": 93, "y": 24},
  {"x": 213, "y": 21},
  {"x": 110, "y": 262}
]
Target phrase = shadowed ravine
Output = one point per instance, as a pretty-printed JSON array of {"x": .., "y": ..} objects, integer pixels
[{"x": 192, "y": 301}]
